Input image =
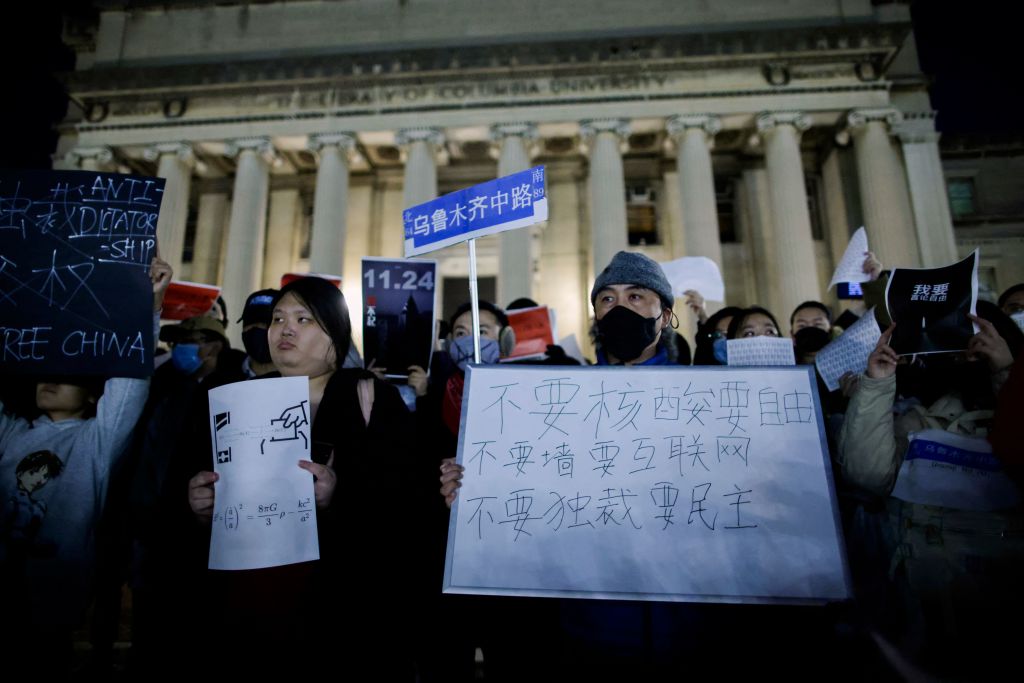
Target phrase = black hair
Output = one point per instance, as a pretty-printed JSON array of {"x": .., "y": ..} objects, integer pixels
[
  {"x": 704, "y": 352},
  {"x": 1010, "y": 291},
  {"x": 741, "y": 317},
  {"x": 522, "y": 302},
  {"x": 484, "y": 306},
  {"x": 37, "y": 461},
  {"x": 327, "y": 304},
  {"x": 811, "y": 304}
]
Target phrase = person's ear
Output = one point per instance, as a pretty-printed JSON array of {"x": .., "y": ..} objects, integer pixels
[{"x": 506, "y": 341}]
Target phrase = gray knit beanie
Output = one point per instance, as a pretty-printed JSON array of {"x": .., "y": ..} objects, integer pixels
[{"x": 632, "y": 268}]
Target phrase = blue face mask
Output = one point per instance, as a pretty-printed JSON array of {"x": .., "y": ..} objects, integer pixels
[
  {"x": 185, "y": 357},
  {"x": 461, "y": 351},
  {"x": 720, "y": 348}
]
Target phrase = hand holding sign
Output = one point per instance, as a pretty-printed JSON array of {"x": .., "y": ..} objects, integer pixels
[
  {"x": 882, "y": 361},
  {"x": 451, "y": 480},
  {"x": 160, "y": 274},
  {"x": 989, "y": 345}
]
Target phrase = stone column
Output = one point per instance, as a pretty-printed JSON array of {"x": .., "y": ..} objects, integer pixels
[
  {"x": 883, "y": 188},
  {"x": 282, "y": 227},
  {"x": 795, "y": 262},
  {"x": 835, "y": 207},
  {"x": 330, "y": 204},
  {"x": 607, "y": 189},
  {"x": 210, "y": 228},
  {"x": 91, "y": 158},
  {"x": 516, "y": 263},
  {"x": 243, "y": 267},
  {"x": 694, "y": 135},
  {"x": 420, "y": 164},
  {"x": 927, "y": 189},
  {"x": 175, "y": 162},
  {"x": 757, "y": 223}
]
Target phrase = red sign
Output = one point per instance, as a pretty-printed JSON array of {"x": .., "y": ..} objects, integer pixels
[
  {"x": 292, "y": 277},
  {"x": 534, "y": 331},
  {"x": 188, "y": 299}
]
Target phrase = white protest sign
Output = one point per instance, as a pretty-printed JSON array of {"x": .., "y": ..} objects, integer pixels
[
  {"x": 849, "y": 351},
  {"x": 955, "y": 471},
  {"x": 264, "y": 513},
  {"x": 851, "y": 267},
  {"x": 695, "y": 272},
  {"x": 651, "y": 483},
  {"x": 761, "y": 351}
]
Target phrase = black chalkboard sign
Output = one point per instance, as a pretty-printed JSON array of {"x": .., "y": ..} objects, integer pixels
[{"x": 75, "y": 295}]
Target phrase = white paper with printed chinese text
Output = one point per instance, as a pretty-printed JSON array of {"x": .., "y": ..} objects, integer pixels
[
  {"x": 264, "y": 513},
  {"x": 761, "y": 351},
  {"x": 849, "y": 351},
  {"x": 672, "y": 484},
  {"x": 851, "y": 267}
]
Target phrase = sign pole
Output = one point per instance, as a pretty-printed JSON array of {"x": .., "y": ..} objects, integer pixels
[{"x": 474, "y": 299}]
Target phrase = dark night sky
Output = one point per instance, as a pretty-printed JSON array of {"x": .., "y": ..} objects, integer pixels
[{"x": 970, "y": 50}]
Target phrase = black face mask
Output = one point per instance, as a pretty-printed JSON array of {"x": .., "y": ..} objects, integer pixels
[
  {"x": 625, "y": 334},
  {"x": 811, "y": 339},
  {"x": 257, "y": 345}
]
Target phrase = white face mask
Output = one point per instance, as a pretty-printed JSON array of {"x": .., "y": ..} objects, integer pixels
[{"x": 1018, "y": 318}]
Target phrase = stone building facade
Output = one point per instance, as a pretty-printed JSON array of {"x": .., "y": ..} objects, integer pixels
[{"x": 293, "y": 133}]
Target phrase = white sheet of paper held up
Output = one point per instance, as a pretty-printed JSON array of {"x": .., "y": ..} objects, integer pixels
[
  {"x": 849, "y": 351},
  {"x": 761, "y": 351},
  {"x": 695, "y": 272},
  {"x": 264, "y": 513},
  {"x": 851, "y": 267}
]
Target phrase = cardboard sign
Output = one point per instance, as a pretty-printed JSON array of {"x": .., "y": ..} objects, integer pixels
[
  {"x": 75, "y": 249},
  {"x": 930, "y": 307},
  {"x": 534, "y": 330},
  {"x": 399, "y": 299},
  {"x": 653, "y": 483},
  {"x": 185, "y": 300},
  {"x": 514, "y": 201}
]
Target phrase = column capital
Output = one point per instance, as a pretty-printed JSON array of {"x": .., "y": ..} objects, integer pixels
[
  {"x": 679, "y": 124},
  {"x": 917, "y": 127},
  {"x": 407, "y": 136},
  {"x": 591, "y": 127},
  {"x": 183, "y": 150},
  {"x": 102, "y": 154},
  {"x": 768, "y": 120},
  {"x": 261, "y": 145},
  {"x": 345, "y": 141},
  {"x": 525, "y": 130},
  {"x": 857, "y": 118}
]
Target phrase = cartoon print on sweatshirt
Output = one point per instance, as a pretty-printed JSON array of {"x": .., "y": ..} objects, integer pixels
[{"x": 24, "y": 513}]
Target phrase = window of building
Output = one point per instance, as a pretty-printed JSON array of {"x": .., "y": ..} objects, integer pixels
[
  {"x": 813, "y": 185},
  {"x": 725, "y": 205},
  {"x": 961, "y": 197},
  {"x": 191, "y": 223},
  {"x": 642, "y": 214},
  {"x": 455, "y": 292}
]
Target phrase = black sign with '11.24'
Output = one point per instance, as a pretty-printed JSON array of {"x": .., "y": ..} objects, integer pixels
[
  {"x": 398, "y": 313},
  {"x": 75, "y": 249}
]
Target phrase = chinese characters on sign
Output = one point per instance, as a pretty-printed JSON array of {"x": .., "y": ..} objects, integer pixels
[
  {"x": 644, "y": 483},
  {"x": 515, "y": 201}
]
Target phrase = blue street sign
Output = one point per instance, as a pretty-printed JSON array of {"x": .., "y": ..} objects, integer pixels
[{"x": 515, "y": 201}]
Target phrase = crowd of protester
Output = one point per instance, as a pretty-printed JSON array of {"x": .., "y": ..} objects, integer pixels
[{"x": 107, "y": 485}]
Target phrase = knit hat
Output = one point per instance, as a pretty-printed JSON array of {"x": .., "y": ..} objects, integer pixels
[
  {"x": 181, "y": 332},
  {"x": 632, "y": 268}
]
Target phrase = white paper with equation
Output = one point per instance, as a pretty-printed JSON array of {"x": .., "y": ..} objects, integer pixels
[
  {"x": 264, "y": 513},
  {"x": 671, "y": 484}
]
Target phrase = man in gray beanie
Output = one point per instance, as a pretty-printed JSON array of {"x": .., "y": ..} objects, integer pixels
[{"x": 632, "y": 302}]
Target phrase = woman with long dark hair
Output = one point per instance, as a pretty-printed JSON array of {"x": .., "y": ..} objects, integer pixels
[{"x": 357, "y": 599}]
